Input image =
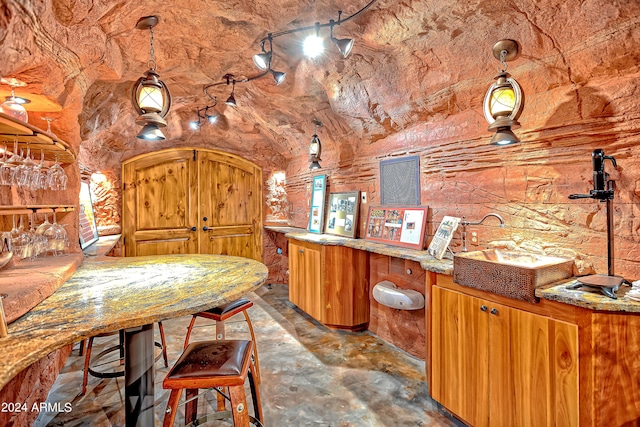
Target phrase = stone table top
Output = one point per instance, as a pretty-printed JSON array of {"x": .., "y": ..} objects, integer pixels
[
  {"x": 107, "y": 294},
  {"x": 588, "y": 297},
  {"x": 427, "y": 262}
]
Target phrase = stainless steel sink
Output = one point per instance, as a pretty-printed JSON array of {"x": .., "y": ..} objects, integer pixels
[{"x": 509, "y": 273}]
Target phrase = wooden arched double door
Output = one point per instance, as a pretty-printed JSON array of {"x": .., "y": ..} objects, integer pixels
[{"x": 190, "y": 201}]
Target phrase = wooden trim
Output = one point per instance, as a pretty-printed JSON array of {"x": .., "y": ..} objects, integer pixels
[{"x": 552, "y": 309}]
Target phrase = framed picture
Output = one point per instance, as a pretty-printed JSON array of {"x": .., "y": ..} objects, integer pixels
[
  {"x": 88, "y": 230},
  {"x": 318, "y": 202},
  {"x": 397, "y": 225},
  {"x": 342, "y": 215},
  {"x": 443, "y": 236},
  {"x": 400, "y": 181}
]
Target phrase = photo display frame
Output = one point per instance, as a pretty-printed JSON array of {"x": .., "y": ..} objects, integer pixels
[
  {"x": 397, "y": 225},
  {"x": 442, "y": 238},
  {"x": 318, "y": 203},
  {"x": 342, "y": 214},
  {"x": 87, "y": 222}
]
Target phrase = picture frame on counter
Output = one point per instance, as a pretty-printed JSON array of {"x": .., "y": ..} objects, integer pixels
[
  {"x": 441, "y": 240},
  {"x": 318, "y": 203},
  {"x": 88, "y": 230},
  {"x": 397, "y": 225},
  {"x": 342, "y": 214}
]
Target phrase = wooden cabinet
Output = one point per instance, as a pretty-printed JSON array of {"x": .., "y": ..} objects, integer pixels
[
  {"x": 494, "y": 365},
  {"x": 330, "y": 283}
]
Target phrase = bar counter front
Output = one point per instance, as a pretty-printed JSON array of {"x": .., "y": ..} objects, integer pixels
[{"x": 109, "y": 294}]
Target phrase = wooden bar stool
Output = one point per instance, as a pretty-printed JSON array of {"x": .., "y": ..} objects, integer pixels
[
  {"x": 222, "y": 313},
  {"x": 88, "y": 369},
  {"x": 214, "y": 364}
]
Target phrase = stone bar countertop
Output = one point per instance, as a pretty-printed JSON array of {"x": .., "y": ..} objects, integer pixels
[
  {"x": 588, "y": 297},
  {"x": 427, "y": 262},
  {"x": 107, "y": 294}
]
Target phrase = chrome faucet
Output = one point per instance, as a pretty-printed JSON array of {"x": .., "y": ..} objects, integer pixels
[{"x": 466, "y": 223}]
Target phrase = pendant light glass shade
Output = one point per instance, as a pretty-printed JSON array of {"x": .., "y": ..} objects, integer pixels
[{"x": 344, "y": 46}]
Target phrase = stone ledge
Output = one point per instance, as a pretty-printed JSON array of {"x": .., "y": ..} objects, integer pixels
[{"x": 27, "y": 283}]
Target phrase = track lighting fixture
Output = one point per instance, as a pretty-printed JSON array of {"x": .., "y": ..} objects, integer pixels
[
  {"x": 150, "y": 96},
  {"x": 313, "y": 45},
  {"x": 504, "y": 100},
  {"x": 264, "y": 59},
  {"x": 206, "y": 113}
]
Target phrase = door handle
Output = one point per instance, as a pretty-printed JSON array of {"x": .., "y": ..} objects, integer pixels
[
  {"x": 205, "y": 219},
  {"x": 494, "y": 311},
  {"x": 300, "y": 251},
  {"x": 483, "y": 308},
  {"x": 205, "y": 228},
  {"x": 194, "y": 228}
]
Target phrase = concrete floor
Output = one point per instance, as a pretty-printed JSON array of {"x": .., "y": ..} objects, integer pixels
[{"x": 311, "y": 376}]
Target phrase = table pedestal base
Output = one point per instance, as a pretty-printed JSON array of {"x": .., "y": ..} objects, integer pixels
[{"x": 138, "y": 376}]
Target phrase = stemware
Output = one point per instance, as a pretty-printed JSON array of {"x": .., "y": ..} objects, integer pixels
[
  {"x": 12, "y": 107},
  {"x": 49, "y": 120},
  {"x": 57, "y": 237},
  {"x": 57, "y": 177},
  {"x": 24, "y": 173},
  {"x": 5, "y": 170},
  {"x": 37, "y": 241},
  {"x": 13, "y": 162}
]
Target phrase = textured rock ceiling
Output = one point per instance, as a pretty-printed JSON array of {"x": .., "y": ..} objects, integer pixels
[{"x": 413, "y": 61}]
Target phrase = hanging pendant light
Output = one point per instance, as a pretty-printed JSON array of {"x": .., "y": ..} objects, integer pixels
[
  {"x": 504, "y": 100},
  {"x": 315, "y": 148},
  {"x": 150, "y": 96}
]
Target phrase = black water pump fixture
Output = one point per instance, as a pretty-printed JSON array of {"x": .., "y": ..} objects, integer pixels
[
  {"x": 603, "y": 190},
  {"x": 602, "y": 187}
]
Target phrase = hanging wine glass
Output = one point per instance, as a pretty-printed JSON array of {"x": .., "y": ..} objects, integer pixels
[
  {"x": 24, "y": 173},
  {"x": 41, "y": 230},
  {"x": 57, "y": 237},
  {"x": 49, "y": 120},
  {"x": 13, "y": 162},
  {"x": 12, "y": 106},
  {"x": 40, "y": 174},
  {"x": 57, "y": 177},
  {"x": 37, "y": 241},
  {"x": 5, "y": 170}
]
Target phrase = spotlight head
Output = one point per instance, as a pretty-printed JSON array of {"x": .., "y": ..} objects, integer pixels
[
  {"x": 344, "y": 46},
  {"x": 314, "y": 165},
  {"x": 212, "y": 119},
  {"x": 231, "y": 100},
  {"x": 195, "y": 125},
  {"x": 262, "y": 60},
  {"x": 313, "y": 46},
  {"x": 278, "y": 76}
]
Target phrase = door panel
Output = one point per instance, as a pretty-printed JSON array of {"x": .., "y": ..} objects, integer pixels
[
  {"x": 229, "y": 202},
  {"x": 192, "y": 201},
  {"x": 158, "y": 208}
]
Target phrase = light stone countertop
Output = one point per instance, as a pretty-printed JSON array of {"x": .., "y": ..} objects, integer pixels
[
  {"x": 588, "y": 297},
  {"x": 427, "y": 262},
  {"x": 107, "y": 294}
]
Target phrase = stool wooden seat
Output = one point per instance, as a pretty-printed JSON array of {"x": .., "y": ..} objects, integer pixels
[
  {"x": 219, "y": 315},
  {"x": 212, "y": 364},
  {"x": 88, "y": 369}
]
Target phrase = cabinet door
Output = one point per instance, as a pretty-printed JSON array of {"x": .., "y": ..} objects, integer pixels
[
  {"x": 533, "y": 364},
  {"x": 346, "y": 287},
  {"x": 159, "y": 209},
  {"x": 305, "y": 288},
  {"x": 459, "y": 362}
]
